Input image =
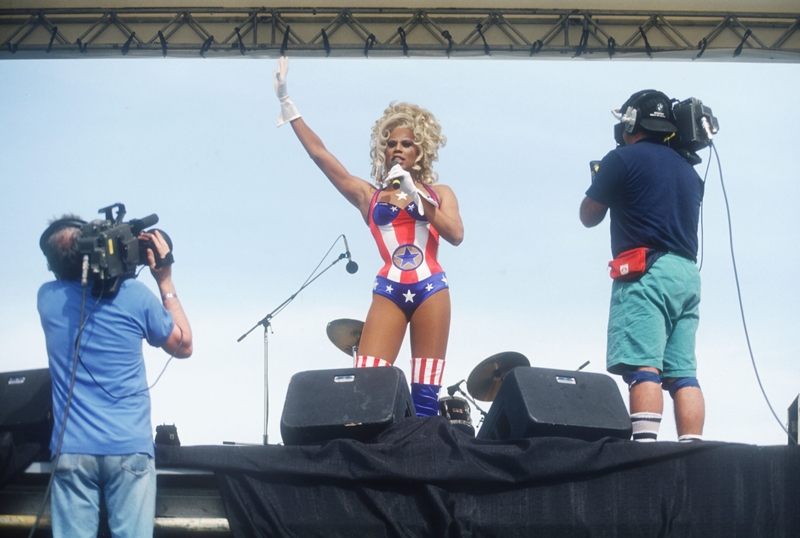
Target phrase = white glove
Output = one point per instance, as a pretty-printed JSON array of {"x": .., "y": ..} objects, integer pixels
[
  {"x": 288, "y": 110},
  {"x": 401, "y": 179}
]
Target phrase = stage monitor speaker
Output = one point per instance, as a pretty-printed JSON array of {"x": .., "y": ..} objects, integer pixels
[
  {"x": 794, "y": 410},
  {"x": 26, "y": 404},
  {"x": 351, "y": 403},
  {"x": 539, "y": 402}
]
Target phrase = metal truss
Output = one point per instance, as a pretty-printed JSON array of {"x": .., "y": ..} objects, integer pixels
[{"x": 393, "y": 32}]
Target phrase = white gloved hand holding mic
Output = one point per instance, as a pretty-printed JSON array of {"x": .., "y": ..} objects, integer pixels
[
  {"x": 401, "y": 179},
  {"x": 288, "y": 110}
]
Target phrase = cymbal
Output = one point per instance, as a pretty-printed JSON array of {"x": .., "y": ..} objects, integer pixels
[
  {"x": 486, "y": 378},
  {"x": 345, "y": 333}
]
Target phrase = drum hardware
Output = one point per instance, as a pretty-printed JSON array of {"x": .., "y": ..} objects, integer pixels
[
  {"x": 486, "y": 378},
  {"x": 345, "y": 334},
  {"x": 457, "y": 411},
  {"x": 453, "y": 411}
]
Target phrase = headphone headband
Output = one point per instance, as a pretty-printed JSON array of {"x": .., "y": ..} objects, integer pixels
[{"x": 56, "y": 226}]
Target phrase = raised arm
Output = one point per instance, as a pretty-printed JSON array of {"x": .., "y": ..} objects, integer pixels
[
  {"x": 179, "y": 342},
  {"x": 357, "y": 191}
]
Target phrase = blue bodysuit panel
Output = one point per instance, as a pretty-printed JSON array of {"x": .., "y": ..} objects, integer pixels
[{"x": 408, "y": 297}]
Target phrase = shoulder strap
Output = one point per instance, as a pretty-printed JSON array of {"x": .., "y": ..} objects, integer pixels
[
  {"x": 372, "y": 206},
  {"x": 432, "y": 193}
]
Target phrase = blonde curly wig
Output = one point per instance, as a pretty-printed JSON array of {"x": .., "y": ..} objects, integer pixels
[{"x": 428, "y": 139}]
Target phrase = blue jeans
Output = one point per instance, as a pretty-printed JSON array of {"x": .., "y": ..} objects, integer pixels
[{"x": 127, "y": 484}]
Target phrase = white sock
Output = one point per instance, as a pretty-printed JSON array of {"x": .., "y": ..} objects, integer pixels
[{"x": 645, "y": 426}]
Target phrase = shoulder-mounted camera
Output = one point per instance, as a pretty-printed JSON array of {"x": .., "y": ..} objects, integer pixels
[
  {"x": 686, "y": 126},
  {"x": 695, "y": 127},
  {"x": 115, "y": 250}
]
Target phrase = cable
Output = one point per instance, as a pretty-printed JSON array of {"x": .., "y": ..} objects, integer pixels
[
  {"x": 310, "y": 277},
  {"x": 702, "y": 227},
  {"x": 73, "y": 377},
  {"x": 164, "y": 369},
  {"x": 67, "y": 406},
  {"x": 739, "y": 295}
]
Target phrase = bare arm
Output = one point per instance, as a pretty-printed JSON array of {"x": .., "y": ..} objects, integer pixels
[
  {"x": 445, "y": 219},
  {"x": 357, "y": 191},
  {"x": 179, "y": 342},
  {"x": 592, "y": 213}
]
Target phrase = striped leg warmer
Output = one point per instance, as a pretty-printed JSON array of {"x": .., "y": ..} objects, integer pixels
[
  {"x": 426, "y": 380},
  {"x": 365, "y": 361}
]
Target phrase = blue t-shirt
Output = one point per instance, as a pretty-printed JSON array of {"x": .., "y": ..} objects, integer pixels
[
  {"x": 654, "y": 195},
  {"x": 103, "y": 418}
]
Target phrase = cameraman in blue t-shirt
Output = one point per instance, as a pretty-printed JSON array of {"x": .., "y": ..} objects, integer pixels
[
  {"x": 654, "y": 196},
  {"x": 107, "y": 449}
]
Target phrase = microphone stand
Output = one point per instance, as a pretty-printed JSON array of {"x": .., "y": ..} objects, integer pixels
[{"x": 266, "y": 323}]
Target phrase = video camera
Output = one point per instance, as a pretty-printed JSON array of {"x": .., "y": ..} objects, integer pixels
[
  {"x": 696, "y": 126},
  {"x": 114, "y": 249}
]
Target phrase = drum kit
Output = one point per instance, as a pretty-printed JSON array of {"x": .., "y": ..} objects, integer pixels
[{"x": 482, "y": 384}]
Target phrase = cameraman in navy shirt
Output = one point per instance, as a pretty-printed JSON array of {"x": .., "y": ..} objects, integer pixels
[{"x": 654, "y": 195}]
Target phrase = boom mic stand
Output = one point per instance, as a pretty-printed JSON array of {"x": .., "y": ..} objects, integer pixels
[{"x": 266, "y": 323}]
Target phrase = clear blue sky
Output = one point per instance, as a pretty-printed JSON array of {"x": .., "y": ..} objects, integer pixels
[{"x": 195, "y": 142}]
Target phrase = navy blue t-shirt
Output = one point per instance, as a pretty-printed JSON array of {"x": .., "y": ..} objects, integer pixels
[{"x": 654, "y": 195}]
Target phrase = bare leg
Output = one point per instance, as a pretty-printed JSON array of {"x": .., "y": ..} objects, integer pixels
[
  {"x": 430, "y": 327},
  {"x": 646, "y": 397},
  {"x": 383, "y": 331},
  {"x": 647, "y": 403},
  {"x": 690, "y": 411}
]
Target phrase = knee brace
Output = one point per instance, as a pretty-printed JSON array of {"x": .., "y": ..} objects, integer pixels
[
  {"x": 680, "y": 383},
  {"x": 634, "y": 377}
]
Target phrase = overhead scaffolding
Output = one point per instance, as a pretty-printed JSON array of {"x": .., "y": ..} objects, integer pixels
[{"x": 92, "y": 32}]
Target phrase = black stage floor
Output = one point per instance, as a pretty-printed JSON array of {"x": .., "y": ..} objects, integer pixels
[{"x": 422, "y": 477}]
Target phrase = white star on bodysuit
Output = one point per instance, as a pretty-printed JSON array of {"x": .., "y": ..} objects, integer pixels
[
  {"x": 444, "y": 279},
  {"x": 395, "y": 209},
  {"x": 429, "y": 287},
  {"x": 389, "y": 288},
  {"x": 409, "y": 296},
  {"x": 401, "y": 195},
  {"x": 375, "y": 285}
]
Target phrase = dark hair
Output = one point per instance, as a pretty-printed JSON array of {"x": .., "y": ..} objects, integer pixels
[{"x": 62, "y": 249}]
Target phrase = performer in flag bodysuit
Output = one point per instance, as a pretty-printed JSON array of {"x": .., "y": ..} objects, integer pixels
[{"x": 407, "y": 212}]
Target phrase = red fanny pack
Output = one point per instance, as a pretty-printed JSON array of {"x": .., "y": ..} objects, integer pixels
[{"x": 633, "y": 264}]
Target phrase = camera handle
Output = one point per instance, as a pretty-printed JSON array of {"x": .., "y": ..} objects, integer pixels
[
  {"x": 266, "y": 323},
  {"x": 109, "y": 212}
]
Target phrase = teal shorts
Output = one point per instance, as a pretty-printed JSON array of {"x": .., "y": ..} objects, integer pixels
[{"x": 653, "y": 322}]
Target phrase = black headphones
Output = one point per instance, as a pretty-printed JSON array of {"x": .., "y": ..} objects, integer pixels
[
  {"x": 650, "y": 110},
  {"x": 56, "y": 226},
  {"x": 633, "y": 113}
]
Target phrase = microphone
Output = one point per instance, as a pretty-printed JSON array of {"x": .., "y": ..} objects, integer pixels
[
  {"x": 451, "y": 390},
  {"x": 395, "y": 181},
  {"x": 351, "y": 266},
  {"x": 137, "y": 225}
]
